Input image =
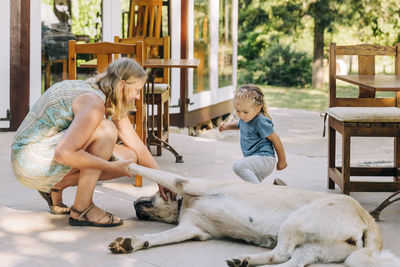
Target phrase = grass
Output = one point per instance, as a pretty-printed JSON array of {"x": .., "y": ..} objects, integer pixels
[{"x": 308, "y": 98}]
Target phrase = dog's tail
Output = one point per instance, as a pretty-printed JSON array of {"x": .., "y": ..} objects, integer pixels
[
  {"x": 368, "y": 257},
  {"x": 371, "y": 254}
]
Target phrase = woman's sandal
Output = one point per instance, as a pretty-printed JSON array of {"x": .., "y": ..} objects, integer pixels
[
  {"x": 84, "y": 221},
  {"x": 54, "y": 209}
]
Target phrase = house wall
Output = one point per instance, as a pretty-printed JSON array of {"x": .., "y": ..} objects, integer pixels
[
  {"x": 35, "y": 58},
  {"x": 175, "y": 53},
  {"x": 35, "y": 70},
  {"x": 111, "y": 20},
  {"x": 5, "y": 61}
]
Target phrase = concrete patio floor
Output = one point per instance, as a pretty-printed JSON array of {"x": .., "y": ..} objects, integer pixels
[{"x": 30, "y": 236}]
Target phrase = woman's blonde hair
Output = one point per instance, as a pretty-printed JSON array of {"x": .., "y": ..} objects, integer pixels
[
  {"x": 120, "y": 70},
  {"x": 254, "y": 93}
]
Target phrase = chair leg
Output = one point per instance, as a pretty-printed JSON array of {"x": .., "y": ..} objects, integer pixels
[
  {"x": 48, "y": 75},
  {"x": 64, "y": 67},
  {"x": 159, "y": 125},
  {"x": 331, "y": 154},
  {"x": 346, "y": 161},
  {"x": 166, "y": 119},
  {"x": 396, "y": 157}
]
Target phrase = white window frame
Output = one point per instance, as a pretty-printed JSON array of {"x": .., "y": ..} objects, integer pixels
[{"x": 215, "y": 95}]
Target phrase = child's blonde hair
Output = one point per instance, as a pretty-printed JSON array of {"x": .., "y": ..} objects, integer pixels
[
  {"x": 120, "y": 70},
  {"x": 254, "y": 93}
]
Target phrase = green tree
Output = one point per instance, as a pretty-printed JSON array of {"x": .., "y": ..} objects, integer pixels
[
  {"x": 86, "y": 18},
  {"x": 253, "y": 28},
  {"x": 370, "y": 16},
  {"x": 376, "y": 21}
]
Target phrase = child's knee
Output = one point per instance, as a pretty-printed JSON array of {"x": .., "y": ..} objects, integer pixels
[{"x": 238, "y": 168}]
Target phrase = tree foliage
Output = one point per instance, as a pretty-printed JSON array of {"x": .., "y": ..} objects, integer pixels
[
  {"x": 280, "y": 65},
  {"x": 262, "y": 22},
  {"x": 86, "y": 18}
]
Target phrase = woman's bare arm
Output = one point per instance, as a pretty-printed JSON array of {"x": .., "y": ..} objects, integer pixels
[{"x": 131, "y": 139}]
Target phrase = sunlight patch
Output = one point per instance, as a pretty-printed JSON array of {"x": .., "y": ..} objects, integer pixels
[
  {"x": 60, "y": 236},
  {"x": 20, "y": 224}
]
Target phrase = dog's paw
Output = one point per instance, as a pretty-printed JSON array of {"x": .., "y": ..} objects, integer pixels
[
  {"x": 238, "y": 262},
  {"x": 121, "y": 245}
]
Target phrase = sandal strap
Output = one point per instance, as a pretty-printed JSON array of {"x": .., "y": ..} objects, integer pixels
[
  {"x": 86, "y": 211},
  {"x": 62, "y": 205},
  {"x": 55, "y": 190},
  {"x": 111, "y": 217},
  {"x": 82, "y": 214}
]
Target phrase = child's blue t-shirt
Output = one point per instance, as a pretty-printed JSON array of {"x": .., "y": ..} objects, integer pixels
[{"x": 253, "y": 135}]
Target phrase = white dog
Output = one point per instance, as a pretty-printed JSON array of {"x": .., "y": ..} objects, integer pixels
[{"x": 302, "y": 227}]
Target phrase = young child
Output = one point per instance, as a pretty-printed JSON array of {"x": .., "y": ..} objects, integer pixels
[{"x": 258, "y": 140}]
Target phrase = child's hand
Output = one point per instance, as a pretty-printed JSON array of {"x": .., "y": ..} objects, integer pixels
[
  {"x": 221, "y": 126},
  {"x": 281, "y": 165}
]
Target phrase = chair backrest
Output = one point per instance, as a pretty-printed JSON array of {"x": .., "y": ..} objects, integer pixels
[
  {"x": 366, "y": 66},
  {"x": 145, "y": 18},
  {"x": 153, "y": 47},
  {"x": 105, "y": 53}
]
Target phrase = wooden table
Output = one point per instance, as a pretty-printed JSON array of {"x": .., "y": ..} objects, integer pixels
[
  {"x": 171, "y": 63},
  {"x": 152, "y": 139},
  {"x": 89, "y": 64},
  {"x": 375, "y": 83}
]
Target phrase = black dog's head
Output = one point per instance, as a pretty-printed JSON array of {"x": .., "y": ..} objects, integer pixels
[{"x": 154, "y": 208}]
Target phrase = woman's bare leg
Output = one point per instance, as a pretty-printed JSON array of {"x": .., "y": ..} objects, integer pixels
[
  {"x": 72, "y": 178},
  {"x": 83, "y": 199},
  {"x": 101, "y": 144}
]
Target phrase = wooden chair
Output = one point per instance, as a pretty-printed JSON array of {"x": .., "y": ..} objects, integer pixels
[
  {"x": 365, "y": 116},
  {"x": 145, "y": 18},
  {"x": 152, "y": 49},
  {"x": 105, "y": 53},
  {"x": 48, "y": 63}
]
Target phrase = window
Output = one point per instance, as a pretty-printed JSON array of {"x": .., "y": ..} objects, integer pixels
[
  {"x": 225, "y": 44},
  {"x": 64, "y": 20},
  {"x": 201, "y": 76}
]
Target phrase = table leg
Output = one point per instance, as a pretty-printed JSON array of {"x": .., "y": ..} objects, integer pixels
[
  {"x": 152, "y": 139},
  {"x": 376, "y": 212}
]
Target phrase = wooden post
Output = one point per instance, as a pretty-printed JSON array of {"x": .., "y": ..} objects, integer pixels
[
  {"x": 366, "y": 66},
  {"x": 396, "y": 156},
  {"x": 184, "y": 54},
  {"x": 332, "y": 75},
  {"x": 19, "y": 61}
]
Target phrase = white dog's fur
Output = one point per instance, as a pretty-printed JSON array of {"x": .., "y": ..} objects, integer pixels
[{"x": 302, "y": 227}]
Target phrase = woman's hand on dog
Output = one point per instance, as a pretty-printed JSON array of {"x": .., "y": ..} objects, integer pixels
[{"x": 163, "y": 190}]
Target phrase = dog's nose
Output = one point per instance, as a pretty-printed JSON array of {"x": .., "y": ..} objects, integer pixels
[
  {"x": 139, "y": 205},
  {"x": 143, "y": 203}
]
